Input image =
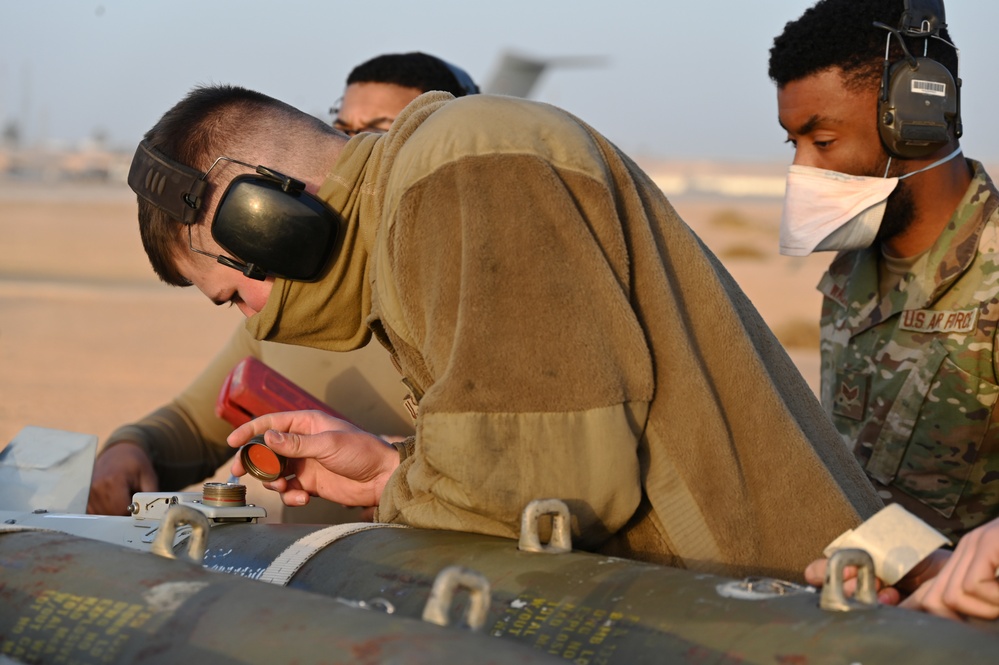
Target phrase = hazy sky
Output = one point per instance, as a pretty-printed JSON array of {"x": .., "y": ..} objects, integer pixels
[{"x": 683, "y": 78}]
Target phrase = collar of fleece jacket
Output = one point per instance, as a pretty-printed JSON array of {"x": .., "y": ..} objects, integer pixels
[
  {"x": 331, "y": 314},
  {"x": 298, "y": 312}
]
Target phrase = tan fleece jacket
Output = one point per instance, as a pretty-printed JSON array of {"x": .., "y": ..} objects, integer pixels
[{"x": 568, "y": 336}]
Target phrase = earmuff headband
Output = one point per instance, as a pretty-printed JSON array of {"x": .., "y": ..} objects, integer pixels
[
  {"x": 922, "y": 18},
  {"x": 172, "y": 187}
]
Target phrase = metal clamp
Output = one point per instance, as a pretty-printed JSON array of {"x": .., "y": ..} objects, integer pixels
[
  {"x": 197, "y": 542},
  {"x": 833, "y": 594},
  {"x": 449, "y": 580},
  {"x": 561, "y": 538}
]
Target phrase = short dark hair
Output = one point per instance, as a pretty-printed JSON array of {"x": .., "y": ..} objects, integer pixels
[
  {"x": 412, "y": 70},
  {"x": 211, "y": 121},
  {"x": 841, "y": 33}
]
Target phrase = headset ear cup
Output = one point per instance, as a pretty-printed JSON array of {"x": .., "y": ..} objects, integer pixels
[
  {"x": 276, "y": 231},
  {"x": 918, "y": 109}
]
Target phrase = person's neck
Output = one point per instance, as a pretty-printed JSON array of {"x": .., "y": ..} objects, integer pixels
[
  {"x": 936, "y": 194},
  {"x": 318, "y": 161}
]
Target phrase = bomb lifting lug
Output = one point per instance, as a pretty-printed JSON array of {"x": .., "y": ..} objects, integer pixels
[
  {"x": 197, "y": 542},
  {"x": 561, "y": 537},
  {"x": 834, "y": 596}
]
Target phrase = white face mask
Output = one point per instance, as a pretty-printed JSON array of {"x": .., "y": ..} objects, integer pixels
[{"x": 831, "y": 211}]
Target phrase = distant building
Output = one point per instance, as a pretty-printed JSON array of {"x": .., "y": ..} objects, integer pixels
[{"x": 87, "y": 163}]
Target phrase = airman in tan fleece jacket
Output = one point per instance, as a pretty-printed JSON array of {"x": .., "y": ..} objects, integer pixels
[{"x": 566, "y": 335}]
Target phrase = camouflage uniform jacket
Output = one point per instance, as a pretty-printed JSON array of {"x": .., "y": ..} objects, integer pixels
[{"x": 910, "y": 379}]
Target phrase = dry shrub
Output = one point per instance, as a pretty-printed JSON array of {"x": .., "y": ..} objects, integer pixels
[
  {"x": 731, "y": 219},
  {"x": 742, "y": 251},
  {"x": 798, "y": 334}
]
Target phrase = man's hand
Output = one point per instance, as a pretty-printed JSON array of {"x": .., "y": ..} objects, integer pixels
[
  {"x": 119, "y": 472},
  {"x": 329, "y": 457},
  {"x": 966, "y": 585}
]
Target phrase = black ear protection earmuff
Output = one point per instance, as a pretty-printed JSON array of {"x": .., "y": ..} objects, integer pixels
[
  {"x": 267, "y": 222},
  {"x": 919, "y": 102}
]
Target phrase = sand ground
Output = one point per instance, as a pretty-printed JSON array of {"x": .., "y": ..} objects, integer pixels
[{"x": 89, "y": 339}]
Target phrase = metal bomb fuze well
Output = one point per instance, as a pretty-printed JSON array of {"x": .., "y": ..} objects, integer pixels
[{"x": 224, "y": 495}]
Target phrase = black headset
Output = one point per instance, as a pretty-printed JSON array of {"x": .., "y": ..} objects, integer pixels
[
  {"x": 267, "y": 222},
  {"x": 919, "y": 102}
]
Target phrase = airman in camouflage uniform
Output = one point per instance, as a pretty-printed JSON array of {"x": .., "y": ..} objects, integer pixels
[
  {"x": 908, "y": 316},
  {"x": 911, "y": 377}
]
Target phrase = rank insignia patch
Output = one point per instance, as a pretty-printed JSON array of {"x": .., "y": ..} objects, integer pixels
[{"x": 850, "y": 400}]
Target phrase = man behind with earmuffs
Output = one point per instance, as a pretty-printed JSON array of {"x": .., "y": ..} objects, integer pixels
[{"x": 869, "y": 94}]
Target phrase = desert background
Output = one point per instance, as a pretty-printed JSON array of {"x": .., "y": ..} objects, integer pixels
[{"x": 90, "y": 339}]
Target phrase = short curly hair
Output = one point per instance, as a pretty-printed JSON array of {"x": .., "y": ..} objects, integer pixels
[
  {"x": 841, "y": 33},
  {"x": 411, "y": 70}
]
